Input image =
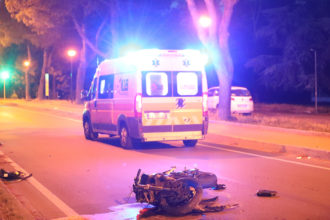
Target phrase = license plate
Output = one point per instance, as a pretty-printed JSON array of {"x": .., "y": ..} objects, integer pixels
[{"x": 157, "y": 115}]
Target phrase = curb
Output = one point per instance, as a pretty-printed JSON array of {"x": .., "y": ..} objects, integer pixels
[
  {"x": 263, "y": 147},
  {"x": 289, "y": 130}
]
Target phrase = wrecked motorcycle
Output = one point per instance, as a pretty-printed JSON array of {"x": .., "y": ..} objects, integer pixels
[{"x": 176, "y": 193}]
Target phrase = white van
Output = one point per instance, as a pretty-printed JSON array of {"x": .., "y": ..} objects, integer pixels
[{"x": 151, "y": 95}]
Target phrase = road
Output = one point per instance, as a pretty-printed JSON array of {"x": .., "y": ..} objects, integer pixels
[{"x": 91, "y": 178}]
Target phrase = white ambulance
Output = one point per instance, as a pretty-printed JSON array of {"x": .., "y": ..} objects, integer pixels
[{"x": 150, "y": 95}]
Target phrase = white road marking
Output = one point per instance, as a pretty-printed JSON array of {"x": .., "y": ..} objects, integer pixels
[
  {"x": 48, "y": 194},
  {"x": 266, "y": 157}
]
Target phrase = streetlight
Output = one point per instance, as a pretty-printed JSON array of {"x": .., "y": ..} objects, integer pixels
[
  {"x": 71, "y": 53},
  {"x": 205, "y": 21},
  {"x": 4, "y": 76},
  {"x": 315, "y": 78},
  {"x": 27, "y": 63}
]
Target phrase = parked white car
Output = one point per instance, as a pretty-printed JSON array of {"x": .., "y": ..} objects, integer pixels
[{"x": 241, "y": 100}]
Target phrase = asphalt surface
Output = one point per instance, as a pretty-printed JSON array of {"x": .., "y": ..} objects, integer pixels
[{"x": 94, "y": 179}]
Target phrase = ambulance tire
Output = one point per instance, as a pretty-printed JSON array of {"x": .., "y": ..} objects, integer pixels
[
  {"x": 125, "y": 140},
  {"x": 88, "y": 131},
  {"x": 190, "y": 143}
]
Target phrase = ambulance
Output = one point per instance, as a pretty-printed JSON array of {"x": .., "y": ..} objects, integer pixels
[{"x": 149, "y": 95}]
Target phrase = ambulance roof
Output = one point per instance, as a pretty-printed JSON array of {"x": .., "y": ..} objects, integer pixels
[{"x": 155, "y": 60}]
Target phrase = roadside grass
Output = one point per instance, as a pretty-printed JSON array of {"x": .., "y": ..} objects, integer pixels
[
  {"x": 286, "y": 116},
  {"x": 10, "y": 208}
]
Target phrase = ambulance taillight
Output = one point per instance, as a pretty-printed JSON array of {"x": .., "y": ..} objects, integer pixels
[
  {"x": 204, "y": 101},
  {"x": 138, "y": 105}
]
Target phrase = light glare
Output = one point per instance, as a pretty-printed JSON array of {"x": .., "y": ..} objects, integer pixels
[
  {"x": 5, "y": 75},
  {"x": 72, "y": 53},
  {"x": 26, "y": 63},
  {"x": 205, "y": 21}
]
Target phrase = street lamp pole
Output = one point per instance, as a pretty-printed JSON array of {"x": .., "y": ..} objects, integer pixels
[
  {"x": 4, "y": 76},
  {"x": 71, "y": 54},
  {"x": 4, "y": 88},
  {"x": 315, "y": 78},
  {"x": 27, "y": 86},
  {"x": 71, "y": 78}
]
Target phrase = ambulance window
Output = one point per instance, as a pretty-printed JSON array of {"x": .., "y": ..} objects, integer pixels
[
  {"x": 156, "y": 84},
  {"x": 187, "y": 83},
  {"x": 124, "y": 84},
  {"x": 92, "y": 91},
  {"x": 106, "y": 87}
]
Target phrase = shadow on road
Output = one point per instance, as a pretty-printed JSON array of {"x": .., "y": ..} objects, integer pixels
[{"x": 141, "y": 146}]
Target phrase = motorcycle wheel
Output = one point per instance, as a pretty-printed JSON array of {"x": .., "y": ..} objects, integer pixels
[{"x": 186, "y": 187}]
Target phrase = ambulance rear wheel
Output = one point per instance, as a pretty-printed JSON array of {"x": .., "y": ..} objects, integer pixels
[
  {"x": 189, "y": 143},
  {"x": 88, "y": 131},
  {"x": 125, "y": 139}
]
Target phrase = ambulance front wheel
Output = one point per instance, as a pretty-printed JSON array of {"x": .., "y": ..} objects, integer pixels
[
  {"x": 88, "y": 130},
  {"x": 190, "y": 143}
]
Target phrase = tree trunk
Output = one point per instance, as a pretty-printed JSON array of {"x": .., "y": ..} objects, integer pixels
[
  {"x": 27, "y": 81},
  {"x": 81, "y": 72},
  {"x": 54, "y": 86},
  {"x": 215, "y": 40},
  {"x": 225, "y": 68},
  {"x": 40, "y": 94},
  {"x": 49, "y": 63}
]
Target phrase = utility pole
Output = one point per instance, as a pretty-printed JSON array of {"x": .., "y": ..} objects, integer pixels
[{"x": 315, "y": 78}]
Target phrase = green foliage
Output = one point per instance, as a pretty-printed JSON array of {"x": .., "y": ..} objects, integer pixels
[
  {"x": 289, "y": 33},
  {"x": 11, "y": 31}
]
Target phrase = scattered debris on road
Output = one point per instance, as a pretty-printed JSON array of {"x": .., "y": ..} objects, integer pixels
[
  {"x": 266, "y": 193},
  {"x": 177, "y": 193},
  {"x": 13, "y": 176},
  {"x": 303, "y": 157}
]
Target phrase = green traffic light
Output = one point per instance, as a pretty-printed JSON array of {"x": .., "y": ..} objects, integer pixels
[{"x": 5, "y": 75}]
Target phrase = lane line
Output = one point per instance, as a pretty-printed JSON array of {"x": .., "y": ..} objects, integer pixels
[
  {"x": 266, "y": 157},
  {"x": 47, "y": 193}
]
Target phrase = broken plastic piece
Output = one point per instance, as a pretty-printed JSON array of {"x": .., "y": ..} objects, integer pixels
[
  {"x": 219, "y": 187},
  {"x": 146, "y": 212},
  {"x": 214, "y": 208},
  {"x": 266, "y": 193}
]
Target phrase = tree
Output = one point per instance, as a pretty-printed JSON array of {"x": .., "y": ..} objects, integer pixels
[
  {"x": 81, "y": 13},
  {"x": 45, "y": 19},
  {"x": 13, "y": 32},
  {"x": 215, "y": 40},
  {"x": 286, "y": 62}
]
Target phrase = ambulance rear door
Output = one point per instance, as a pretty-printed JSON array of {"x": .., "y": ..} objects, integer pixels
[{"x": 172, "y": 105}]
